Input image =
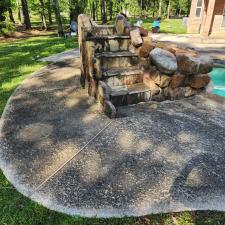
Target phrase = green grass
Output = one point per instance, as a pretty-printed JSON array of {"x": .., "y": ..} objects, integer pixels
[
  {"x": 17, "y": 60},
  {"x": 173, "y": 26}
]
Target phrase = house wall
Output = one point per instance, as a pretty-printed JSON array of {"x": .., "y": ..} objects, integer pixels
[
  {"x": 194, "y": 24},
  {"x": 217, "y": 19},
  {"x": 209, "y": 23}
]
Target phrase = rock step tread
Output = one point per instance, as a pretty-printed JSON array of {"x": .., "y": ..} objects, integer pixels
[
  {"x": 111, "y": 37},
  {"x": 122, "y": 72},
  {"x": 129, "y": 89},
  {"x": 115, "y": 54}
]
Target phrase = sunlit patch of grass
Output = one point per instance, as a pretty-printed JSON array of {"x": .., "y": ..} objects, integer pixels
[
  {"x": 173, "y": 26},
  {"x": 20, "y": 58}
]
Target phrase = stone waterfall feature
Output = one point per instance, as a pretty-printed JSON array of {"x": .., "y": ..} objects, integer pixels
[{"x": 122, "y": 66}]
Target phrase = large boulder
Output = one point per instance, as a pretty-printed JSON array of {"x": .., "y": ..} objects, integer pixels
[
  {"x": 190, "y": 64},
  {"x": 160, "y": 79},
  {"x": 199, "y": 81},
  {"x": 179, "y": 92},
  {"x": 109, "y": 109},
  {"x": 184, "y": 51},
  {"x": 120, "y": 25},
  {"x": 205, "y": 64},
  {"x": 146, "y": 47},
  {"x": 103, "y": 92},
  {"x": 189, "y": 91},
  {"x": 177, "y": 80},
  {"x": 164, "y": 60},
  {"x": 151, "y": 84},
  {"x": 136, "y": 38},
  {"x": 175, "y": 93},
  {"x": 187, "y": 64},
  {"x": 143, "y": 32}
]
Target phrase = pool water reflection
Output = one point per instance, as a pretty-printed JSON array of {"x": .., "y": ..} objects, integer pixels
[{"x": 218, "y": 79}]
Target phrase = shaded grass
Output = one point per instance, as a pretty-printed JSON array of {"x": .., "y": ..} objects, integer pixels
[{"x": 17, "y": 61}]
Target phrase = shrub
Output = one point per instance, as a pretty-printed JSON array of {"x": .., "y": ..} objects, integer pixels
[{"x": 7, "y": 28}]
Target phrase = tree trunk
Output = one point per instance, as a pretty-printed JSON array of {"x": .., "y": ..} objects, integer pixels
[
  {"x": 43, "y": 16},
  {"x": 49, "y": 11},
  {"x": 10, "y": 12},
  {"x": 160, "y": 8},
  {"x": 168, "y": 10},
  {"x": 189, "y": 8},
  {"x": 141, "y": 7},
  {"x": 103, "y": 11},
  {"x": 58, "y": 17},
  {"x": 71, "y": 11},
  {"x": 111, "y": 9},
  {"x": 179, "y": 14},
  {"x": 26, "y": 15},
  {"x": 3, "y": 9},
  {"x": 93, "y": 11},
  {"x": 96, "y": 10},
  {"x": 19, "y": 12},
  {"x": 153, "y": 10},
  {"x": 77, "y": 9}
]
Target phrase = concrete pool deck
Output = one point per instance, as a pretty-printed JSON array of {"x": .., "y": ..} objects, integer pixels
[
  {"x": 215, "y": 47},
  {"x": 59, "y": 149}
]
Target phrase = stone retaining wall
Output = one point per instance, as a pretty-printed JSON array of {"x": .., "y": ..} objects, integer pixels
[{"x": 122, "y": 65}]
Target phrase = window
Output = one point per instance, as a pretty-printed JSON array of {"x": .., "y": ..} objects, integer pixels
[
  {"x": 223, "y": 21},
  {"x": 198, "y": 8}
]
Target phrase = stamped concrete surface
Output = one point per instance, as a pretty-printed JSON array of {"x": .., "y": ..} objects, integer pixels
[{"x": 59, "y": 149}]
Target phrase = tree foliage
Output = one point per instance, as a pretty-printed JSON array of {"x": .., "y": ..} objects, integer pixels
[{"x": 49, "y": 11}]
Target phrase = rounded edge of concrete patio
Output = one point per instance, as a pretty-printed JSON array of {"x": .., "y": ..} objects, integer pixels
[{"x": 60, "y": 150}]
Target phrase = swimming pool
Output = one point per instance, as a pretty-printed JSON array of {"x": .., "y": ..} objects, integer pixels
[{"x": 218, "y": 79}]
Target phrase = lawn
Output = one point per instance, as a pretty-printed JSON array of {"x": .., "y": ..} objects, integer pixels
[
  {"x": 18, "y": 59},
  {"x": 173, "y": 26}
]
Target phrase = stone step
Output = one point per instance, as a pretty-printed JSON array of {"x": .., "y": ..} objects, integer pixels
[
  {"x": 110, "y": 37},
  {"x": 127, "y": 76},
  {"x": 117, "y": 54},
  {"x": 111, "y": 44},
  {"x": 122, "y": 72},
  {"x": 112, "y": 60},
  {"x": 129, "y": 94}
]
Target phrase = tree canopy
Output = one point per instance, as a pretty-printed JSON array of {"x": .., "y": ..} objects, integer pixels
[{"x": 61, "y": 11}]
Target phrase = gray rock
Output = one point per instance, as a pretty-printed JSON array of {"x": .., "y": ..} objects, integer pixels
[
  {"x": 136, "y": 38},
  {"x": 164, "y": 60},
  {"x": 205, "y": 64},
  {"x": 120, "y": 24},
  {"x": 109, "y": 109}
]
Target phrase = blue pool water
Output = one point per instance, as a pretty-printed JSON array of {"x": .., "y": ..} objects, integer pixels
[{"x": 218, "y": 79}]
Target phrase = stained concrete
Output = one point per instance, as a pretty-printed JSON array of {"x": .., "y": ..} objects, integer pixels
[{"x": 58, "y": 148}]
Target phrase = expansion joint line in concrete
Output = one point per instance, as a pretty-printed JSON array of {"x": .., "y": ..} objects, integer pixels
[{"x": 69, "y": 160}]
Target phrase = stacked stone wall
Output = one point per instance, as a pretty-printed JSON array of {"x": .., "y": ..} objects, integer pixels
[{"x": 122, "y": 65}]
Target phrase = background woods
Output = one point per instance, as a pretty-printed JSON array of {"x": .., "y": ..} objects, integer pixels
[{"x": 43, "y": 14}]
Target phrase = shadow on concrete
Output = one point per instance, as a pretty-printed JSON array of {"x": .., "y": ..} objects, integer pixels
[{"x": 151, "y": 160}]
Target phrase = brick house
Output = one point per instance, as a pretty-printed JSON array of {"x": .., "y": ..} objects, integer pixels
[{"x": 207, "y": 17}]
